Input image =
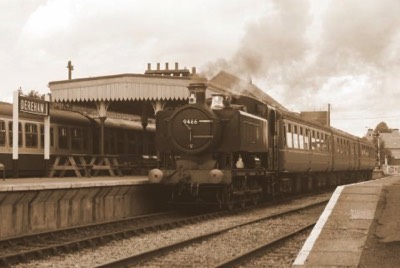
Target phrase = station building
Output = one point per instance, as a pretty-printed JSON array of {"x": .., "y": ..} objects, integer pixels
[{"x": 392, "y": 143}]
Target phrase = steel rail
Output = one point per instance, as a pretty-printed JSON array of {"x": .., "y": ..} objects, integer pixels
[
  {"x": 256, "y": 251},
  {"x": 144, "y": 256}
]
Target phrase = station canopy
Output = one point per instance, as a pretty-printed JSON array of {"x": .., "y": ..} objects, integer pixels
[
  {"x": 154, "y": 90},
  {"x": 122, "y": 87}
]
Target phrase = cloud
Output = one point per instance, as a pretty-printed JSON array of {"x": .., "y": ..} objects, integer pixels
[
  {"x": 304, "y": 53},
  {"x": 342, "y": 52}
]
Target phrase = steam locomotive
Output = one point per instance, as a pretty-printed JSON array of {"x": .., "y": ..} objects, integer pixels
[{"x": 232, "y": 150}]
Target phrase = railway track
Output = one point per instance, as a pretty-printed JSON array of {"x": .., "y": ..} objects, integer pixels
[
  {"x": 209, "y": 249},
  {"x": 25, "y": 248},
  {"x": 280, "y": 252},
  {"x": 93, "y": 245}
]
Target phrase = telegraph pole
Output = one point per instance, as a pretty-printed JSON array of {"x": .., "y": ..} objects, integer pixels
[{"x": 70, "y": 68}]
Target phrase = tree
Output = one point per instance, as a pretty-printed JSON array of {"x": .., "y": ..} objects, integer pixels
[
  {"x": 381, "y": 150},
  {"x": 32, "y": 94},
  {"x": 382, "y": 127}
]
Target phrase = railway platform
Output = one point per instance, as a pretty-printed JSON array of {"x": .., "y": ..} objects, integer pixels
[
  {"x": 32, "y": 205},
  {"x": 360, "y": 227}
]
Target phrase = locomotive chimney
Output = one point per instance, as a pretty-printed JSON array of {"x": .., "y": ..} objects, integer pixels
[{"x": 197, "y": 93}]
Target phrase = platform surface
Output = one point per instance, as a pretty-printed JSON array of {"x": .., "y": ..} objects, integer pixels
[
  {"x": 30, "y": 184},
  {"x": 360, "y": 227}
]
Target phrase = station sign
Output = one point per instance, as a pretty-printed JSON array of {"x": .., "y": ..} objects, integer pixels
[
  {"x": 33, "y": 106},
  {"x": 392, "y": 170}
]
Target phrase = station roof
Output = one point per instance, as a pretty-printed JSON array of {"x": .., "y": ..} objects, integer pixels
[{"x": 121, "y": 87}]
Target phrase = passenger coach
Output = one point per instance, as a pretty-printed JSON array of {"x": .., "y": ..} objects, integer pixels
[{"x": 70, "y": 133}]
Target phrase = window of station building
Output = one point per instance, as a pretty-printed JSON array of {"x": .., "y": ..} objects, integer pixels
[
  {"x": 31, "y": 135},
  {"x": 10, "y": 134},
  {"x": 42, "y": 136},
  {"x": 63, "y": 136},
  {"x": 2, "y": 133},
  {"x": 76, "y": 138}
]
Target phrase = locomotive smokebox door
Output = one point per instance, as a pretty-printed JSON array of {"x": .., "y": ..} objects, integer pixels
[{"x": 194, "y": 128}]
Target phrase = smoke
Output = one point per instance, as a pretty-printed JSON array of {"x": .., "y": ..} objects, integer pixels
[{"x": 303, "y": 50}]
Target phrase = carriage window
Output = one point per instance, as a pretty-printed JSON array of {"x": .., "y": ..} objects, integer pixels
[
  {"x": 42, "y": 136},
  {"x": 2, "y": 133},
  {"x": 63, "y": 137},
  {"x": 76, "y": 138},
  {"x": 341, "y": 146},
  {"x": 306, "y": 140},
  {"x": 284, "y": 136},
  {"x": 313, "y": 141},
  {"x": 324, "y": 146},
  {"x": 120, "y": 142},
  {"x": 301, "y": 138},
  {"x": 10, "y": 134},
  {"x": 289, "y": 138},
  {"x": 86, "y": 141},
  {"x": 337, "y": 145},
  {"x": 151, "y": 143},
  {"x": 326, "y": 143},
  {"x": 109, "y": 139},
  {"x": 133, "y": 142},
  {"x": 295, "y": 138},
  {"x": 31, "y": 135}
]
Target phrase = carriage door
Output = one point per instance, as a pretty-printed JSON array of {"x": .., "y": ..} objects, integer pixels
[{"x": 273, "y": 140}]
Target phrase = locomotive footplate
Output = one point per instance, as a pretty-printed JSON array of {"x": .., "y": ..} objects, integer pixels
[
  {"x": 245, "y": 172},
  {"x": 247, "y": 192}
]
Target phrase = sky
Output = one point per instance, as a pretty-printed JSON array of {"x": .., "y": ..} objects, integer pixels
[{"x": 305, "y": 53}]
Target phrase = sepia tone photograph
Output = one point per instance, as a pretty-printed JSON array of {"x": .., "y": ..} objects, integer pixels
[{"x": 259, "y": 133}]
